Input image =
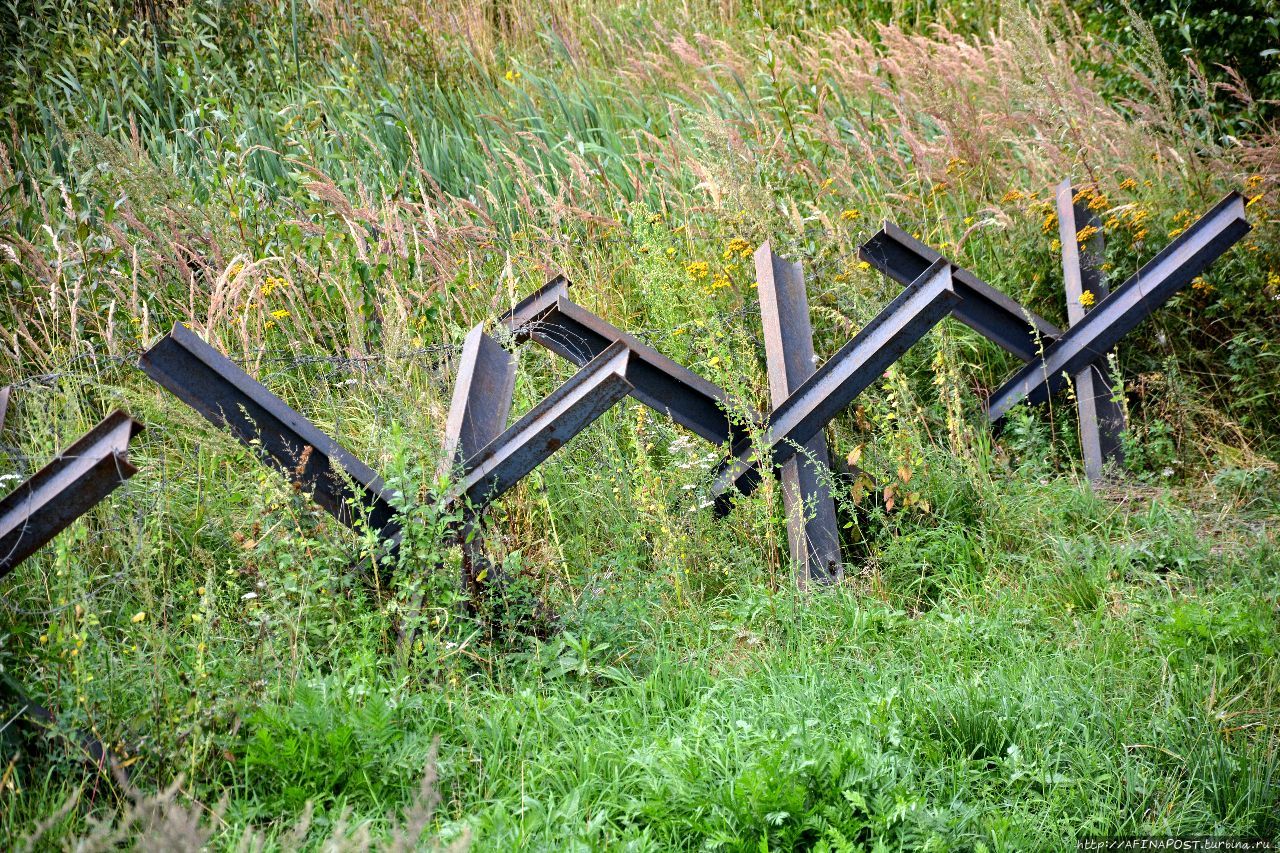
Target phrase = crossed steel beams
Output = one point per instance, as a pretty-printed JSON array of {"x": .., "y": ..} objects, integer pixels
[
  {"x": 805, "y": 400},
  {"x": 1051, "y": 354},
  {"x": 1127, "y": 306},
  {"x": 549, "y": 318},
  {"x": 845, "y": 375},
  {"x": 282, "y": 438},
  {"x": 65, "y": 489}
]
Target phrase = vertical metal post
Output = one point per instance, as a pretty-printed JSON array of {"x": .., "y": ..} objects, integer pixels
[
  {"x": 477, "y": 415},
  {"x": 4, "y": 404},
  {"x": 812, "y": 529},
  {"x": 481, "y": 398},
  {"x": 1101, "y": 416}
]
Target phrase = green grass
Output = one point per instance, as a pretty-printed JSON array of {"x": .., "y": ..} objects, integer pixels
[{"x": 1014, "y": 661}]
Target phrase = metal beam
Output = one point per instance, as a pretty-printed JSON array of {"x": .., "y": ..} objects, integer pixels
[
  {"x": 983, "y": 308},
  {"x": 91, "y": 750},
  {"x": 280, "y": 437},
  {"x": 845, "y": 375},
  {"x": 548, "y": 426},
  {"x": 812, "y": 530},
  {"x": 4, "y": 404},
  {"x": 551, "y": 319},
  {"x": 478, "y": 414},
  {"x": 481, "y": 398},
  {"x": 1118, "y": 314},
  {"x": 65, "y": 489},
  {"x": 1100, "y": 416}
]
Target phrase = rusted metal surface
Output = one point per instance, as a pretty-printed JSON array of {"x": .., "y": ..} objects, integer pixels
[
  {"x": 551, "y": 319},
  {"x": 548, "y": 426},
  {"x": 477, "y": 415},
  {"x": 280, "y": 437},
  {"x": 982, "y": 307},
  {"x": 813, "y": 532},
  {"x": 1101, "y": 417},
  {"x": 481, "y": 397},
  {"x": 836, "y": 384},
  {"x": 65, "y": 489},
  {"x": 1127, "y": 306}
]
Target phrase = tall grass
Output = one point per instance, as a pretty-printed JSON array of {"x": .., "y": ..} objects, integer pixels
[{"x": 1015, "y": 661}]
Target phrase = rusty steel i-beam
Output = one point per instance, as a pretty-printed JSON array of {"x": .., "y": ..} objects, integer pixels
[
  {"x": 547, "y": 427},
  {"x": 1100, "y": 415},
  {"x": 482, "y": 395},
  {"x": 982, "y": 307},
  {"x": 209, "y": 382},
  {"x": 813, "y": 533},
  {"x": 836, "y": 384},
  {"x": 65, "y": 489},
  {"x": 549, "y": 318},
  {"x": 1127, "y": 306}
]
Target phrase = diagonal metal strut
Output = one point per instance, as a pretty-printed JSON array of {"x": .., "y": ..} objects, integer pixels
[
  {"x": 209, "y": 382},
  {"x": 552, "y": 320},
  {"x": 65, "y": 489},
  {"x": 1127, "y": 306},
  {"x": 838, "y": 382}
]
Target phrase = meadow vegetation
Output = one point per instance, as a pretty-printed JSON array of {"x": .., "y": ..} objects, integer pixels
[{"x": 334, "y": 193}]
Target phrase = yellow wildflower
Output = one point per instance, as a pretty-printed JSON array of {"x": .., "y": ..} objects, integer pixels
[
  {"x": 1087, "y": 299},
  {"x": 655, "y": 219},
  {"x": 698, "y": 270},
  {"x": 1011, "y": 196},
  {"x": 1128, "y": 184},
  {"x": 864, "y": 266},
  {"x": 850, "y": 214},
  {"x": 1253, "y": 182},
  {"x": 1201, "y": 286},
  {"x": 280, "y": 314},
  {"x": 1251, "y": 202},
  {"x": 1083, "y": 235},
  {"x": 1050, "y": 222},
  {"x": 139, "y": 616},
  {"x": 738, "y": 246},
  {"x": 512, "y": 75},
  {"x": 1098, "y": 202}
]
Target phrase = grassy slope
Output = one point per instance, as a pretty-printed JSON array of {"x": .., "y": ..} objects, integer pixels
[{"x": 1019, "y": 661}]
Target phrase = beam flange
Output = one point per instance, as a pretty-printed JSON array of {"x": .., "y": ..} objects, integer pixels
[
  {"x": 481, "y": 398},
  {"x": 845, "y": 375},
  {"x": 209, "y": 382},
  {"x": 547, "y": 427},
  {"x": 65, "y": 489},
  {"x": 1127, "y": 306},
  {"x": 994, "y": 314},
  {"x": 1100, "y": 416},
  {"x": 552, "y": 320},
  {"x": 813, "y": 532}
]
